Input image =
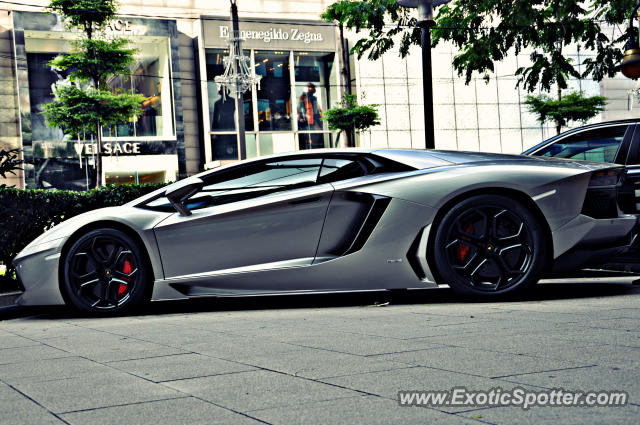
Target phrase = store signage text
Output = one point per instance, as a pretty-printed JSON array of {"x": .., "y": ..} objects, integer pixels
[
  {"x": 126, "y": 27},
  {"x": 119, "y": 25},
  {"x": 293, "y": 34},
  {"x": 107, "y": 148}
]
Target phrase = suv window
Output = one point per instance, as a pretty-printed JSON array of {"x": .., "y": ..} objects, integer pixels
[
  {"x": 248, "y": 182},
  {"x": 600, "y": 145}
]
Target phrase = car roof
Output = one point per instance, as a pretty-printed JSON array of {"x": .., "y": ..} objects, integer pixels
[{"x": 578, "y": 129}]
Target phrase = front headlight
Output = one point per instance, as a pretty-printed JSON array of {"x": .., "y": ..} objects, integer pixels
[{"x": 40, "y": 247}]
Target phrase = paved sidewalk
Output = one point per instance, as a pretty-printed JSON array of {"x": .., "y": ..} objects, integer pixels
[{"x": 322, "y": 359}]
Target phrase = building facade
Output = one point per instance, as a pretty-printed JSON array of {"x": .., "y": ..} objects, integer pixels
[{"x": 190, "y": 122}]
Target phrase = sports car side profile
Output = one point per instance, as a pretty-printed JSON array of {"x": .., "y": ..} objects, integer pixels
[{"x": 335, "y": 220}]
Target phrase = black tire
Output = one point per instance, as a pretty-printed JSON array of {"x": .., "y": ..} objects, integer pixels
[
  {"x": 105, "y": 272},
  {"x": 489, "y": 245}
]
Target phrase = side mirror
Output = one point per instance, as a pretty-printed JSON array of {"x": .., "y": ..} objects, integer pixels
[{"x": 177, "y": 194}]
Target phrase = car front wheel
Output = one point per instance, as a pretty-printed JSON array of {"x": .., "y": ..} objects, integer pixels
[{"x": 105, "y": 272}]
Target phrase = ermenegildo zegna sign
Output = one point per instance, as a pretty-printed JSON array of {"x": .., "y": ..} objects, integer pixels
[{"x": 271, "y": 35}]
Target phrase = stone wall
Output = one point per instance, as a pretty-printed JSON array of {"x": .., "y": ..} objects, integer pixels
[{"x": 9, "y": 122}]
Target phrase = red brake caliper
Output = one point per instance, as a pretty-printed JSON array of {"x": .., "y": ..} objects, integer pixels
[
  {"x": 463, "y": 250},
  {"x": 122, "y": 290}
]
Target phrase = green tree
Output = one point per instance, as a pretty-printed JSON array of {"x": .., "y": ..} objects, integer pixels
[
  {"x": 574, "y": 106},
  {"x": 89, "y": 104},
  {"x": 349, "y": 117},
  {"x": 487, "y": 31}
]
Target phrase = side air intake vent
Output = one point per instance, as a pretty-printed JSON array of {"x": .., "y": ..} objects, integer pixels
[{"x": 378, "y": 208}]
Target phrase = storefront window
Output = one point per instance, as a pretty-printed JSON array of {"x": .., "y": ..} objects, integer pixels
[
  {"x": 314, "y": 90},
  {"x": 225, "y": 147},
  {"x": 42, "y": 82},
  {"x": 222, "y": 102},
  {"x": 150, "y": 76},
  {"x": 137, "y": 177},
  {"x": 314, "y": 73},
  {"x": 309, "y": 140},
  {"x": 274, "y": 95}
]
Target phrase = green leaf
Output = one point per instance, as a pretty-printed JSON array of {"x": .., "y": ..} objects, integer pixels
[
  {"x": 487, "y": 31},
  {"x": 574, "y": 106},
  {"x": 349, "y": 116},
  {"x": 96, "y": 60},
  {"x": 79, "y": 111}
]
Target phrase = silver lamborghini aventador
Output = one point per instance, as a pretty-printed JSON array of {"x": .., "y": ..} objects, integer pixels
[{"x": 335, "y": 220}]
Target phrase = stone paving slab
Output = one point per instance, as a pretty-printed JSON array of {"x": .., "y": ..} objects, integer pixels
[
  {"x": 362, "y": 345},
  {"x": 32, "y": 352},
  {"x": 364, "y": 410},
  {"x": 90, "y": 392},
  {"x": 557, "y": 415},
  {"x": 15, "y": 409},
  {"x": 605, "y": 378},
  {"x": 261, "y": 389},
  {"x": 110, "y": 348},
  {"x": 164, "y": 412},
  {"x": 51, "y": 369},
  {"x": 14, "y": 341},
  {"x": 317, "y": 364},
  {"x": 179, "y": 366},
  {"x": 474, "y": 361},
  {"x": 387, "y": 383},
  {"x": 321, "y": 359}
]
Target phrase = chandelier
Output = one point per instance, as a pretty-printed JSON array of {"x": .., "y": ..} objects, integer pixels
[{"x": 237, "y": 78}]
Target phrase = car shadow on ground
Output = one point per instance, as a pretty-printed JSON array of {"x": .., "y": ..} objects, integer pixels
[{"x": 548, "y": 290}]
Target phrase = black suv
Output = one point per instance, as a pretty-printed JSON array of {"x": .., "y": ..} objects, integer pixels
[{"x": 613, "y": 141}]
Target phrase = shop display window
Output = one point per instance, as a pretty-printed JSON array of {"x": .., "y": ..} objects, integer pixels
[
  {"x": 222, "y": 102},
  {"x": 274, "y": 95},
  {"x": 150, "y": 76}
]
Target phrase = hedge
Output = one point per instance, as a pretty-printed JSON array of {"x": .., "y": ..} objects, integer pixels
[{"x": 25, "y": 214}]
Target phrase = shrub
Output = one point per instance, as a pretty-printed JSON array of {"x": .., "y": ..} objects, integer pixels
[{"x": 25, "y": 214}]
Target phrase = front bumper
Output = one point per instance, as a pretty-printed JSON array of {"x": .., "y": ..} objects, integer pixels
[{"x": 38, "y": 273}]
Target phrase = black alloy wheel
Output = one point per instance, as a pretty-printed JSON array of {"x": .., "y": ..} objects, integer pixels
[
  {"x": 105, "y": 272},
  {"x": 489, "y": 245}
]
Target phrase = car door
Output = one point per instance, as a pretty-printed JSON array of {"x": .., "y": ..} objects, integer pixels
[
  {"x": 265, "y": 214},
  {"x": 352, "y": 215},
  {"x": 631, "y": 188}
]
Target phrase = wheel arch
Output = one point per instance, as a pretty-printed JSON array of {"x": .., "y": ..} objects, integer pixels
[
  {"x": 109, "y": 224},
  {"x": 511, "y": 193}
]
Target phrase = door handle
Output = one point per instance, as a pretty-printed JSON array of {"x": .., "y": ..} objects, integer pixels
[{"x": 305, "y": 200}]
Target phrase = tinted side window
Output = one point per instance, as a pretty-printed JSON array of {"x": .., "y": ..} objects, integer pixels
[
  {"x": 600, "y": 145},
  {"x": 253, "y": 181},
  {"x": 334, "y": 170}
]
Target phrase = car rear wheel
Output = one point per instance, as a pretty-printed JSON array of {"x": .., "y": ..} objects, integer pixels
[
  {"x": 489, "y": 245},
  {"x": 105, "y": 272}
]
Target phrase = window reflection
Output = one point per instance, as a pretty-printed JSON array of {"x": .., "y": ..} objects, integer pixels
[
  {"x": 222, "y": 102},
  {"x": 314, "y": 93},
  {"x": 249, "y": 182},
  {"x": 274, "y": 95},
  {"x": 314, "y": 140},
  {"x": 150, "y": 76},
  {"x": 225, "y": 147},
  {"x": 285, "y": 95}
]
